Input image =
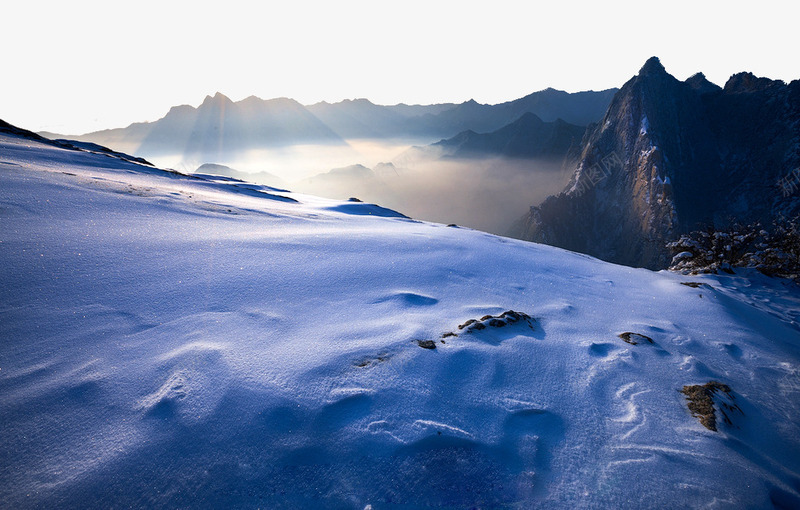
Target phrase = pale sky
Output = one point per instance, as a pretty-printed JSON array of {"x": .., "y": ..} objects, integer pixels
[{"x": 78, "y": 66}]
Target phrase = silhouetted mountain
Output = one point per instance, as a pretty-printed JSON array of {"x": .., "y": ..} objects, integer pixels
[
  {"x": 527, "y": 137},
  {"x": 416, "y": 110},
  {"x": 701, "y": 85},
  {"x": 670, "y": 157},
  {"x": 581, "y": 108},
  {"x": 362, "y": 119},
  {"x": 220, "y": 127},
  {"x": 466, "y": 116},
  {"x": 222, "y": 130},
  {"x": 359, "y": 118}
]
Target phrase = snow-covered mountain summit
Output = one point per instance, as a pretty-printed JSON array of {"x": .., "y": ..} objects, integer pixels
[{"x": 178, "y": 341}]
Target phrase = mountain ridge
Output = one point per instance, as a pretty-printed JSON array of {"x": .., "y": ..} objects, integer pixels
[
  {"x": 220, "y": 127},
  {"x": 527, "y": 137},
  {"x": 685, "y": 155}
]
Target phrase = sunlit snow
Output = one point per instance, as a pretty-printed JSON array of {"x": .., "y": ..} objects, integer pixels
[{"x": 200, "y": 342}]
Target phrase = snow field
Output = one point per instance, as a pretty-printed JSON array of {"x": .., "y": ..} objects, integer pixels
[{"x": 177, "y": 342}]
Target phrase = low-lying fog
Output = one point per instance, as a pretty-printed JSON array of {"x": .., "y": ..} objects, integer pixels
[
  {"x": 485, "y": 193},
  {"x": 295, "y": 162}
]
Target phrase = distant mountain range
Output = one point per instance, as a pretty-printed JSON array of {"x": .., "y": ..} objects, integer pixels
[
  {"x": 669, "y": 157},
  {"x": 527, "y": 137},
  {"x": 219, "y": 130},
  {"x": 580, "y": 108},
  {"x": 363, "y": 119}
]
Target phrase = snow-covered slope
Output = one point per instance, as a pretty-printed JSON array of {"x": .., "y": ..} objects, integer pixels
[{"x": 187, "y": 342}]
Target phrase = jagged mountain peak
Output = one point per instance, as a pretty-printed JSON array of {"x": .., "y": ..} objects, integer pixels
[
  {"x": 217, "y": 98},
  {"x": 359, "y": 101},
  {"x": 649, "y": 86},
  {"x": 701, "y": 84},
  {"x": 671, "y": 157},
  {"x": 653, "y": 66},
  {"x": 748, "y": 82},
  {"x": 654, "y": 126}
]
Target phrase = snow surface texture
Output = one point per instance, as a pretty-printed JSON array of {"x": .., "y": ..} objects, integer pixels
[{"x": 185, "y": 342}]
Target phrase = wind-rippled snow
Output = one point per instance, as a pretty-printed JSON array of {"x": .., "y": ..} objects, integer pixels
[{"x": 181, "y": 342}]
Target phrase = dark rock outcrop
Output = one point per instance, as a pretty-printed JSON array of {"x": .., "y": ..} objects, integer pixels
[
  {"x": 670, "y": 157},
  {"x": 700, "y": 399}
]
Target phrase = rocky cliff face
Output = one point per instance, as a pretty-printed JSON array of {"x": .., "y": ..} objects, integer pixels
[{"x": 670, "y": 157}]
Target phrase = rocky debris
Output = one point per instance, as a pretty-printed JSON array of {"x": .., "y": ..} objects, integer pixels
[
  {"x": 774, "y": 251},
  {"x": 470, "y": 323},
  {"x": 634, "y": 338},
  {"x": 426, "y": 344},
  {"x": 694, "y": 285},
  {"x": 494, "y": 321},
  {"x": 700, "y": 401},
  {"x": 487, "y": 321}
]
